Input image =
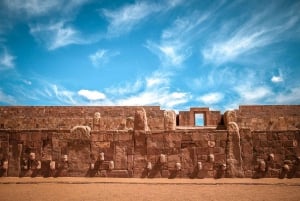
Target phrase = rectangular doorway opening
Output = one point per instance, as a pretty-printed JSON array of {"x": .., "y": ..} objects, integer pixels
[{"x": 199, "y": 119}]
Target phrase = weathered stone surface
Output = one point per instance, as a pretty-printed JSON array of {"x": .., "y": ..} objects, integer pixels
[
  {"x": 229, "y": 116},
  {"x": 169, "y": 120},
  {"x": 234, "y": 151},
  {"x": 140, "y": 120},
  {"x": 252, "y": 134}
]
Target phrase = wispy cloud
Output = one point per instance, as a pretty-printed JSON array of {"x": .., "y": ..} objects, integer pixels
[
  {"x": 56, "y": 35},
  {"x": 277, "y": 78},
  {"x": 34, "y": 8},
  {"x": 126, "y": 18},
  {"x": 211, "y": 98},
  {"x": 156, "y": 91},
  {"x": 252, "y": 94},
  {"x": 6, "y": 60},
  {"x": 126, "y": 88},
  {"x": 259, "y": 31},
  {"x": 7, "y": 99},
  {"x": 102, "y": 56},
  {"x": 175, "y": 45},
  {"x": 63, "y": 95},
  {"x": 91, "y": 95},
  {"x": 170, "y": 54},
  {"x": 291, "y": 96}
]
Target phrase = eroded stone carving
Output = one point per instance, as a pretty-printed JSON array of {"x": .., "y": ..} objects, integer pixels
[
  {"x": 127, "y": 125},
  {"x": 140, "y": 120},
  {"x": 169, "y": 120},
  {"x": 234, "y": 152},
  {"x": 178, "y": 166},
  {"x": 81, "y": 132},
  {"x": 229, "y": 116},
  {"x": 96, "y": 121}
]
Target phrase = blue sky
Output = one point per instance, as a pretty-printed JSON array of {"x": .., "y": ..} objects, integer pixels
[{"x": 173, "y": 53}]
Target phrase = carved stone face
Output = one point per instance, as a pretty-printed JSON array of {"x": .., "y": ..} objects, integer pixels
[
  {"x": 149, "y": 166},
  {"x": 101, "y": 156},
  {"x": 262, "y": 165},
  {"x": 65, "y": 158},
  {"x": 97, "y": 116},
  {"x": 129, "y": 122},
  {"x": 178, "y": 166},
  {"x": 32, "y": 156},
  {"x": 162, "y": 158},
  {"x": 271, "y": 157},
  {"x": 223, "y": 167},
  {"x": 199, "y": 165},
  {"x": 211, "y": 158}
]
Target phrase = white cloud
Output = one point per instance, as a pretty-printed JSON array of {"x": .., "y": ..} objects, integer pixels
[
  {"x": 251, "y": 94},
  {"x": 157, "y": 80},
  {"x": 174, "y": 46},
  {"x": 127, "y": 88},
  {"x": 156, "y": 92},
  {"x": 276, "y": 79},
  {"x": 6, "y": 60},
  {"x": 7, "y": 99},
  {"x": 126, "y": 18},
  {"x": 170, "y": 54},
  {"x": 211, "y": 98},
  {"x": 34, "y": 8},
  {"x": 63, "y": 95},
  {"x": 161, "y": 96},
  {"x": 291, "y": 96},
  {"x": 101, "y": 57},
  {"x": 259, "y": 31},
  {"x": 56, "y": 35},
  {"x": 91, "y": 95}
]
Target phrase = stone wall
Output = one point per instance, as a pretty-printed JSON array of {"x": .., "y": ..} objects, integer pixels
[
  {"x": 269, "y": 117},
  {"x": 145, "y": 142},
  {"x": 65, "y": 117}
]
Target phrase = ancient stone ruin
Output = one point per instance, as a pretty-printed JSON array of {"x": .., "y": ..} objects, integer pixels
[{"x": 148, "y": 142}]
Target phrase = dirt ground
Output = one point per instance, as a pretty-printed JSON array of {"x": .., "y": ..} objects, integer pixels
[{"x": 127, "y": 191}]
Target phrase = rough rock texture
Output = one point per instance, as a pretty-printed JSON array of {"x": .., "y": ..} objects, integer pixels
[
  {"x": 253, "y": 141},
  {"x": 169, "y": 120},
  {"x": 234, "y": 151},
  {"x": 140, "y": 120}
]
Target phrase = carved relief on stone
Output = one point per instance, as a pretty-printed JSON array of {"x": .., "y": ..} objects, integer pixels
[
  {"x": 129, "y": 123},
  {"x": 234, "y": 151},
  {"x": 96, "y": 121},
  {"x": 80, "y": 132},
  {"x": 140, "y": 120},
  {"x": 126, "y": 124},
  {"x": 169, "y": 120},
  {"x": 229, "y": 116}
]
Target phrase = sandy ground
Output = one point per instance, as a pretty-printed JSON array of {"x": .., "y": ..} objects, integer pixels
[{"x": 143, "y": 190}]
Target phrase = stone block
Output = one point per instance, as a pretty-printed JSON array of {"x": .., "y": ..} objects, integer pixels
[
  {"x": 125, "y": 137},
  {"x": 118, "y": 173},
  {"x": 165, "y": 173},
  {"x": 172, "y": 160},
  {"x": 120, "y": 157},
  {"x": 290, "y": 143}
]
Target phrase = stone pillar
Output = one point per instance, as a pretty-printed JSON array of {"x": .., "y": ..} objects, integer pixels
[
  {"x": 169, "y": 120},
  {"x": 233, "y": 147},
  {"x": 140, "y": 120}
]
